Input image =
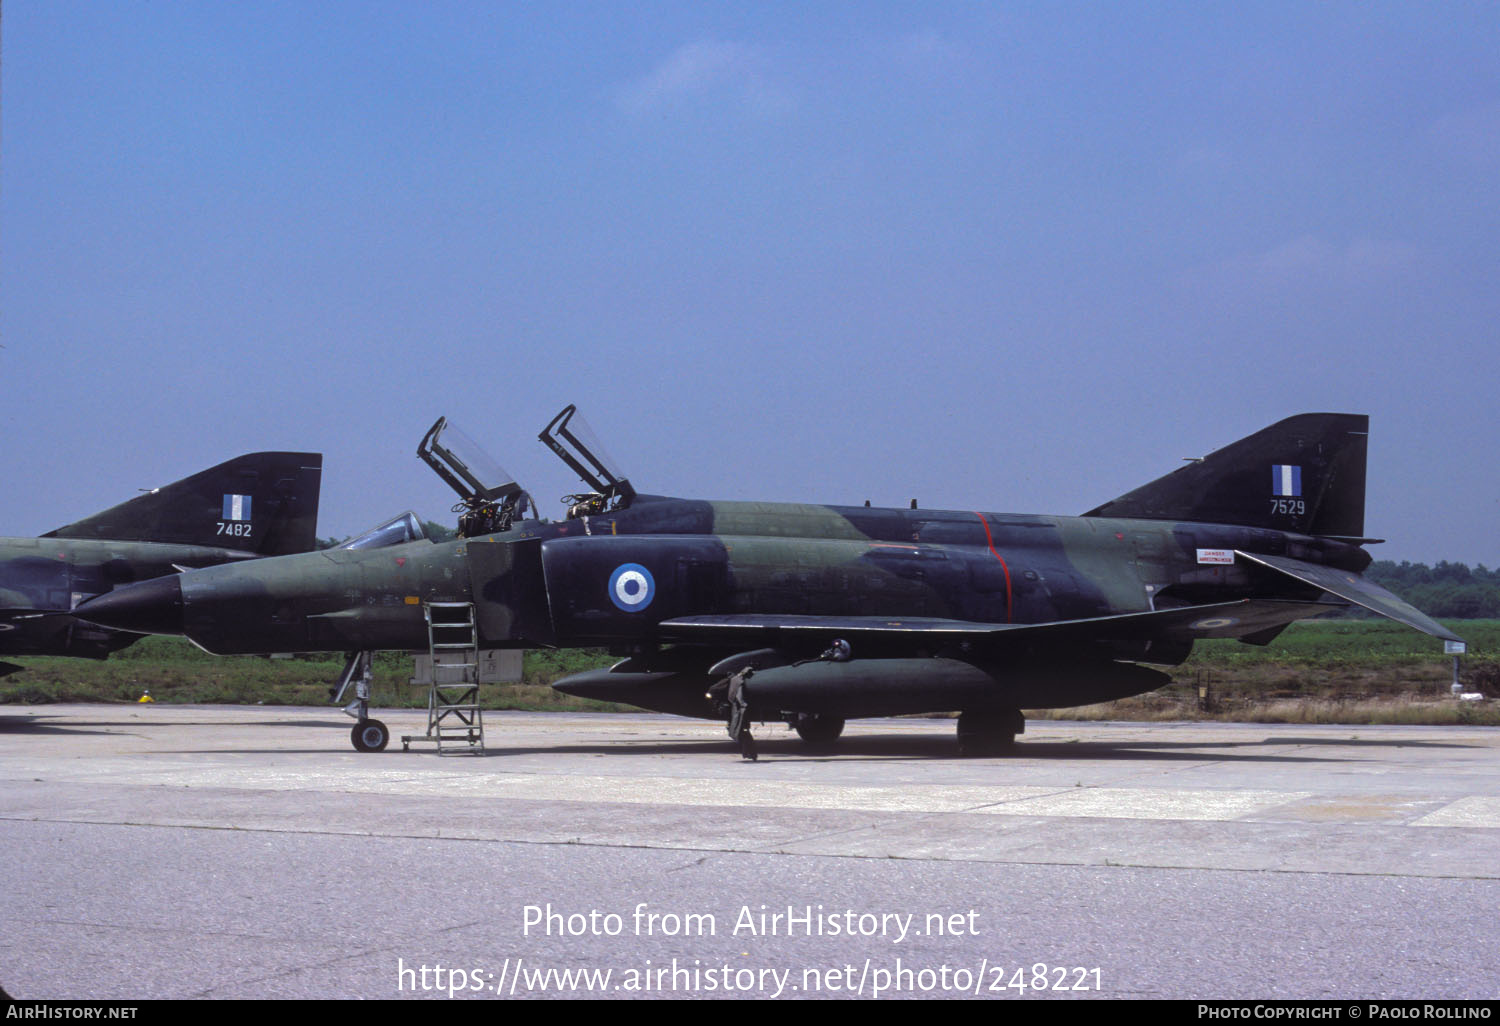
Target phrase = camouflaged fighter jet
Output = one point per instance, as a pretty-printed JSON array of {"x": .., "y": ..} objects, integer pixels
[
  {"x": 260, "y": 504},
  {"x": 812, "y": 614}
]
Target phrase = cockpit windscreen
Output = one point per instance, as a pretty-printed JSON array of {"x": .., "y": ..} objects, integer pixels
[{"x": 396, "y": 531}]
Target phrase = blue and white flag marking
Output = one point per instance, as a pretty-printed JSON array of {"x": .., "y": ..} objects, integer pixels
[
  {"x": 236, "y": 507},
  {"x": 1286, "y": 480}
]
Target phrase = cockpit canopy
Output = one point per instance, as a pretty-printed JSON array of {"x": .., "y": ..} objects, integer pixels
[
  {"x": 466, "y": 467},
  {"x": 573, "y": 440},
  {"x": 396, "y": 531},
  {"x": 490, "y": 500}
]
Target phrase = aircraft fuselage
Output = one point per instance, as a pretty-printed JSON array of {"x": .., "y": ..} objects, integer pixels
[
  {"x": 562, "y": 584},
  {"x": 818, "y": 613}
]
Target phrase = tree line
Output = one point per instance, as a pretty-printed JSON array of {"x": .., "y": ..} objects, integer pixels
[{"x": 1448, "y": 590}]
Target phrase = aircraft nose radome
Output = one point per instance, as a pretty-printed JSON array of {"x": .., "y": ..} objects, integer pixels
[{"x": 149, "y": 607}]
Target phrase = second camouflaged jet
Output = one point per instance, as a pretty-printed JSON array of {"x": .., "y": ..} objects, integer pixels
[
  {"x": 259, "y": 504},
  {"x": 815, "y": 614}
]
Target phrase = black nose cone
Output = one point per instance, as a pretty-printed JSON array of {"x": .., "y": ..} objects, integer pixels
[{"x": 150, "y": 607}]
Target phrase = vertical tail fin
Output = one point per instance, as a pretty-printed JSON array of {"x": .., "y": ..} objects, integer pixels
[
  {"x": 263, "y": 502},
  {"x": 1305, "y": 474}
]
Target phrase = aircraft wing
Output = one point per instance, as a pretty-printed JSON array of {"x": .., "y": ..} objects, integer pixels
[
  {"x": 1351, "y": 587},
  {"x": 1237, "y": 619}
]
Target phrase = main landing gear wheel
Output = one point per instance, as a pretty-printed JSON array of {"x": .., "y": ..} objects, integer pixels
[
  {"x": 988, "y": 733},
  {"x": 370, "y": 736},
  {"x": 817, "y": 729}
]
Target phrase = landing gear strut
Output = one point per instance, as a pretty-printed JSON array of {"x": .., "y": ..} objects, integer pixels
[
  {"x": 368, "y": 735},
  {"x": 984, "y": 732},
  {"x": 739, "y": 715}
]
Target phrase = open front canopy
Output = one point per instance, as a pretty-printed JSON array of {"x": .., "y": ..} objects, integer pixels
[{"x": 466, "y": 467}]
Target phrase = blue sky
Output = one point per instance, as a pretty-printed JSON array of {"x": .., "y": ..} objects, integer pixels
[{"x": 1016, "y": 257}]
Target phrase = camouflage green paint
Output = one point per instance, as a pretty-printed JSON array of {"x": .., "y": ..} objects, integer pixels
[{"x": 858, "y": 611}]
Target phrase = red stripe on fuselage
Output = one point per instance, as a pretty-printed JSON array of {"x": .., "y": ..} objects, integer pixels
[{"x": 991, "y": 539}]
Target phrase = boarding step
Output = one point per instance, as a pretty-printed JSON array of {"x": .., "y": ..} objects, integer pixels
[{"x": 455, "y": 722}]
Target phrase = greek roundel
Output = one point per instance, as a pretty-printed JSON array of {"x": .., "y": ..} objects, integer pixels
[{"x": 631, "y": 587}]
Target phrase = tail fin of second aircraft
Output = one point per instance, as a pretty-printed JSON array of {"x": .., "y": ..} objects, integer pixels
[
  {"x": 263, "y": 502},
  {"x": 1305, "y": 474}
]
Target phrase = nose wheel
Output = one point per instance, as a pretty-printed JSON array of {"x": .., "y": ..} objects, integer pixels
[{"x": 370, "y": 736}]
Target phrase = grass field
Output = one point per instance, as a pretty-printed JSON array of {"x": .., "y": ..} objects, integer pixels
[
  {"x": 1325, "y": 671},
  {"x": 1338, "y": 671}
]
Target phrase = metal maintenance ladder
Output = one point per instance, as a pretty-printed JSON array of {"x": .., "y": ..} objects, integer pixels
[{"x": 454, "y": 721}]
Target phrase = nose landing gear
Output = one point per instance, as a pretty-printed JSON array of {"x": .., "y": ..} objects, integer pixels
[{"x": 368, "y": 735}]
